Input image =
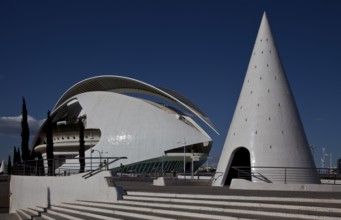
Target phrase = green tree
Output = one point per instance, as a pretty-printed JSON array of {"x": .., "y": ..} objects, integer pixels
[
  {"x": 49, "y": 144},
  {"x": 25, "y": 133},
  {"x": 81, "y": 146}
]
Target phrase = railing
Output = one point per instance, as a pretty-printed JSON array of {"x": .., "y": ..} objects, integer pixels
[
  {"x": 101, "y": 167},
  {"x": 284, "y": 174},
  {"x": 63, "y": 167},
  {"x": 215, "y": 176}
]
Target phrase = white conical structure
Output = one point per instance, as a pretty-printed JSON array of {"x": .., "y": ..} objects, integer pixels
[{"x": 266, "y": 130}]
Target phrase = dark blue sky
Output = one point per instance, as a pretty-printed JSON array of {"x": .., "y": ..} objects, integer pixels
[{"x": 200, "y": 49}]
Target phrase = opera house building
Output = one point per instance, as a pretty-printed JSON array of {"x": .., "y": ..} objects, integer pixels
[{"x": 124, "y": 117}]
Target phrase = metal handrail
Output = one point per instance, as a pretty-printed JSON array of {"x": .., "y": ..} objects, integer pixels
[
  {"x": 283, "y": 174},
  {"x": 61, "y": 167},
  {"x": 258, "y": 176},
  {"x": 100, "y": 168},
  {"x": 261, "y": 177},
  {"x": 213, "y": 178}
]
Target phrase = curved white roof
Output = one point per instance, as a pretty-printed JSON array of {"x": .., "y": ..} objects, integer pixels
[{"x": 120, "y": 84}]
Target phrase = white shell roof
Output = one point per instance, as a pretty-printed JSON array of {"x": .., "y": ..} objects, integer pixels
[{"x": 120, "y": 84}]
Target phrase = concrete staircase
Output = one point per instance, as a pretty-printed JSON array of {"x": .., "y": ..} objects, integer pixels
[{"x": 150, "y": 205}]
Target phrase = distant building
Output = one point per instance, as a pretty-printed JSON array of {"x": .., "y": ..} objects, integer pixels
[
  {"x": 125, "y": 117},
  {"x": 266, "y": 132}
]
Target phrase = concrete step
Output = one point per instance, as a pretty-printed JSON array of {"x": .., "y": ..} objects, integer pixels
[
  {"x": 167, "y": 211},
  {"x": 114, "y": 210},
  {"x": 59, "y": 214},
  {"x": 232, "y": 197},
  {"x": 22, "y": 215},
  {"x": 321, "y": 206},
  {"x": 201, "y": 205},
  {"x": 75, "y": 212},
  {"x": 35, "y": 213},
  {"x": 83, "y": 214},
  {"x": 41, "y": 213},
  {"x": 196, "y": 212},
  {"x": 49, "y": 216},
  {"x": 28, "y": 213},
  {"x": 300, "y": 208},
  {"x": 167, "y": 206}
]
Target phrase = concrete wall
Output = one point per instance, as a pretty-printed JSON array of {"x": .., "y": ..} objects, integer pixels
[
  {"x": 30, "y": 191},
  {"x": 4, "y": 192}
]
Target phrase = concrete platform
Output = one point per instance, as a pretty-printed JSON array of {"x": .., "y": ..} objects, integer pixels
[{"x": 190, "y": 187}]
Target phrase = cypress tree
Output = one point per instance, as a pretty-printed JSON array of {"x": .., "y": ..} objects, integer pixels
[
  {"x": 81, "y": 146},
  {"x": 18, "y": 156},
  {"x": 40, "y": 160},
  {"x": 25, "y": 133},
  {"x": 41, "y": 170},
  {"x": 15, "y": 160},
  {"x": 9, "y": 165},
  {"x": 14, "y": 156},
  {"x": 49, "y": 145}
]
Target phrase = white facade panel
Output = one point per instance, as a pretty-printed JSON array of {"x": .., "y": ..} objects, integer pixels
[{"x": 133, "y": 128}]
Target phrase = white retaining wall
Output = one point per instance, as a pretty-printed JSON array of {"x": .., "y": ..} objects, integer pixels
[{"x": 29, "y": 191}]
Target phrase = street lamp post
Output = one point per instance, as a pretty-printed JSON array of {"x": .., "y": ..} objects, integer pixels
[
  {"x": 100, "y": 155},
  {"x": 184, "y": 143},
  {"x": 162, "y": 166},
  {"x": 91, "y": 137},
  {"x": 192, "y": 165},
  {"x": 207, "y": 162},
  {"x": 185, "y": 160}
]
